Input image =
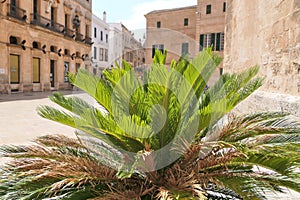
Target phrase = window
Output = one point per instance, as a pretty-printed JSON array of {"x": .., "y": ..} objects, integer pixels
[
  {"x": 53, "y": 15},
  {"x": 157, "y": 46},
  {"x": 95, "y": 32},
  {"x": 95, "y": 53},
  {"x": 67, "y": 21},
  {"x": 221, "y": 71},
  {"x": 13, "y": 40},
  {"x": 35, "y": 45},
  {"x": 186, "y": 22},
  {"x": 208, "y": 9},
  {"x": 66, "y": 71},
  {"x": 14, "y": 68},
  {"x": 53, "y": 48},
  {"x": 87, "y": 30},
  {"x": 35, "y": 9},
  {"x": 106, "y": 37},
  {"x": 67, "y": 52},
  {"x": 184, "y": 49},
  {"x": 101, "y": 35},
  {"x": 106, "y": 55},
  {"x": 224, "y": 7},
  {"x": 101, "y": 54},
  {"x": 158, "y": 24},
  {"x": 216, "y": 40},
  {"x": 36, "y": 70}
]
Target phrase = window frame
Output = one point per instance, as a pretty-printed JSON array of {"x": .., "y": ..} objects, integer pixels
[
  {"x": 186, "y": 21},
  {"x": 95, "y": 32},
  {"x": 66, "y": 71},
  {"x": 208, "y": 9},
  {"x": 184, "y": 48},
  {"x": 38, "y": 80},
  {"x": 158, "y": 24},
  {"x": 18, "y": 69}
]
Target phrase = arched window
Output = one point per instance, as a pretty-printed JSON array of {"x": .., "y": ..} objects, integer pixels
[{"x": 35, "y": 45}]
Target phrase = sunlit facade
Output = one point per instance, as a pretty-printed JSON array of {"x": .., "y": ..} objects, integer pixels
[{"x": 42, "y": 41}]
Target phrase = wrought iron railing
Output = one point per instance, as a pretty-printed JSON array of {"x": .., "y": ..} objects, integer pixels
[
  {"x": 88, "y": 40},
  {"x": 46, "y": 23},
  {"x": 16, "y": 12},
  {"x": 79, "y": 37},
  {"x": 69, "y": 33}
]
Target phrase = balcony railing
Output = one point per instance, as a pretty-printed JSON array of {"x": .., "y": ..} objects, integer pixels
[
  {"x": 16, "y": 12},
  {"x": 46, "y": 23},
  {"x": 69, "y": 33},
  {"x": 79, "y": 37},
  {"x": 88, "y": 40}
]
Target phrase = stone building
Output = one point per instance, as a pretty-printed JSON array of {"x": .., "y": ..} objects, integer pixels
[
  {"x": 266, "y": 33},
  {"x": 124, "y": 46},
  {"x": 41, "y": 41},
  {"x": 187, "y": 30},
  {"x": 100, "y": 48},
  {"x": 171, "y": 29},
  {"x": 132, "y": 49}
]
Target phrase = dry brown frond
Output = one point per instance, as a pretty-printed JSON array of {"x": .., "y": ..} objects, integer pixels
[
  {"x": 164, "y": 194},
  {"x": 58, "y": 140}
]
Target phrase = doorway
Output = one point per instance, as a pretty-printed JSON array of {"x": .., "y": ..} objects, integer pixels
[{"x": 52, "y": 73}]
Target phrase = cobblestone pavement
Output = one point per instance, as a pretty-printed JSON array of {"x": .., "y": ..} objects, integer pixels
[{"x": 20, "y": 123}]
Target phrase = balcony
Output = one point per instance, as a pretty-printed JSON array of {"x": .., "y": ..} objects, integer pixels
[
  {"x": 46, "y": 23},
  {"x": 79, "y": 37},
  {"x": 88, "y": 40},
  {"x": 16, "y": 12},
  {"x": 69, "y": 33}
]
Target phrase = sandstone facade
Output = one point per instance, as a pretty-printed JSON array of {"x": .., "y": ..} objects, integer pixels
[
  {"x": 171, "y": 29},
  {"x": 266, "y": 33},
  {"x": 41, "y": 41},
  {"x": 187, "y": 30}
]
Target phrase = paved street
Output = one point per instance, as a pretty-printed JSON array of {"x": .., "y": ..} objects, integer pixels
[{"x": 19, "y": 121}]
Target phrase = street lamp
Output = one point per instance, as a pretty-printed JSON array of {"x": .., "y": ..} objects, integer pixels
[{"x": 76, "y": 22}]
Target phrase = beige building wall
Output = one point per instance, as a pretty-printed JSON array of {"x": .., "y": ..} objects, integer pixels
[
  {"x": 55, "y": 40},
  {"x": 267, "y": 33},
  {"x": 210, "y": 29},
  {"x": 206, "y": 26},
  {"x": 133, "y": 51},
  {"x": 172, "y": 32}
]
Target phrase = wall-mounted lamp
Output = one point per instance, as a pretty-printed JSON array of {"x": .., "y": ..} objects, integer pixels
[
  {"x": 73, "y": 56},
  {"x": 44, "y": 48},
  {"x": 23, "y": 44},
  {"x": 59, "y": 52}
]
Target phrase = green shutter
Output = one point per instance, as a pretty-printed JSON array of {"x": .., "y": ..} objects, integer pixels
[
  {"x": 213, "y": 42},
  {"x": 201, "y": 42},
  {"x": 218, "y": 41}
]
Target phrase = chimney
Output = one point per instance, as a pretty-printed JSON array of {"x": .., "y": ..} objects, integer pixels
[{"x": 104, "y": 16}]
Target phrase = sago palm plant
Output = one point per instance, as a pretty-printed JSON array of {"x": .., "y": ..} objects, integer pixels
[{"x": 163, "y": 137}]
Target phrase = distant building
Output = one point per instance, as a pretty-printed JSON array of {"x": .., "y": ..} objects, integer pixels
[
  {"x": 41, "y": 41},
  {"x": 100, "y": 48},
  {"x": 171, "y": 29},
  {"x": 123, "y": 46},
  {"x": 187, "y": 30}
]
